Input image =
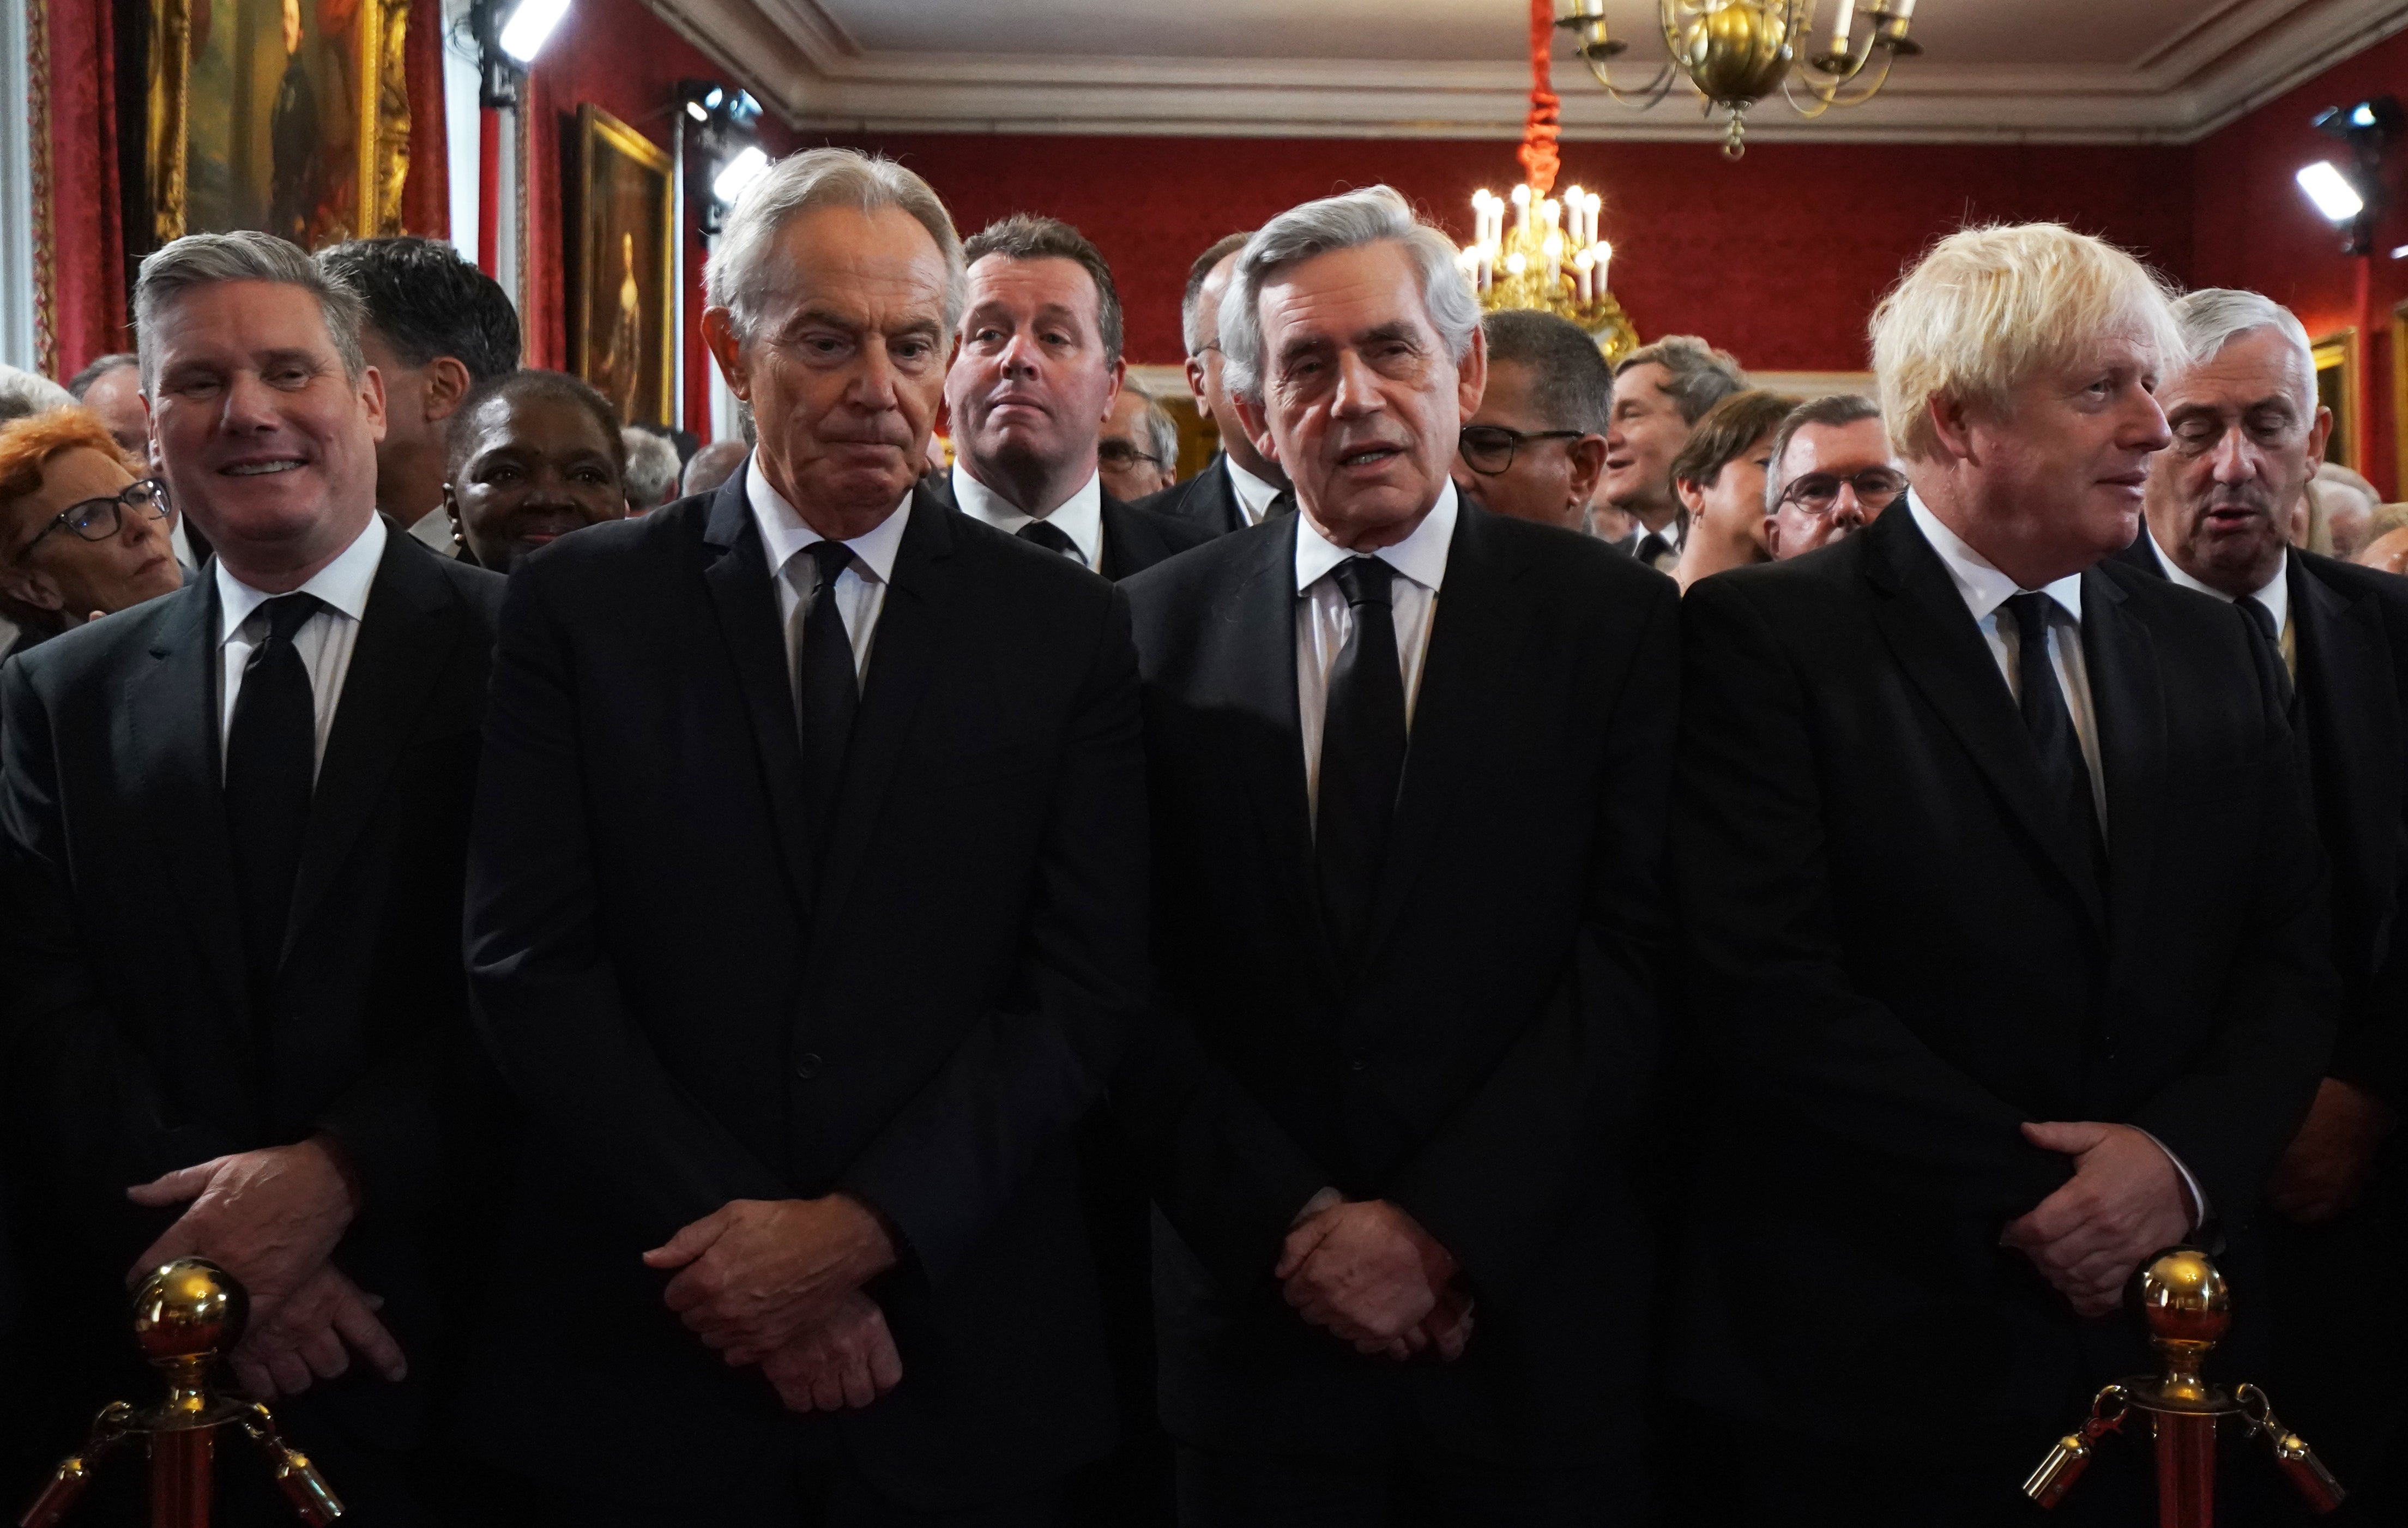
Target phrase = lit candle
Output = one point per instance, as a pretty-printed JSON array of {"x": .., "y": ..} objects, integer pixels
[
  {"x": 1552, "y": 211},
  {"x": 1842, "y": 20},
  {"x": 1521, "y": 207},
  {"x": 1581, "y": 263},
  {"x": 1554, "y": 249},
  {"x": 1515, "y": 264},
  {"x": 1574, "y": 200},
  {"x": 1595, "y": 204},
  {"x": 1604, "y": 254}
]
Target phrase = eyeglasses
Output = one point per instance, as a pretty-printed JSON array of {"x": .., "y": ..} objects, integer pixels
[
  {"x": 1488, "y": 449},
  {"x": 98, "y": 519},
  {"x": 1817, "y": 492},
  {"x": 1120, "y": 453}
]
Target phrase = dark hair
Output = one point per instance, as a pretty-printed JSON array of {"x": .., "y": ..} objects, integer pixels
[
  {"x": 1197, "y": 274},
  {"x": 80, "y": 383},
  {"x": 1571, "y": 386},
  {"x": 1726, "y": 431},
  {"x": 1832, "y": 409},
  {"x": 509, "y": 386},
  {"x": 1024, "y": 235},
  {"x": 425, "y": 302},
  {"x": 1702, "y": 376}
]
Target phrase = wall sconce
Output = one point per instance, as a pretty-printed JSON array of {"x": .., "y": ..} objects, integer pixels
[{"x": 508, "y": 35}]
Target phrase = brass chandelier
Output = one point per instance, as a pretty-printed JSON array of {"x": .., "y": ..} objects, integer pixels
[{"x": 1736, "y": 52}]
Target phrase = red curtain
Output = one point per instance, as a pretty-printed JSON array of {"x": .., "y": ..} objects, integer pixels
[
  {"x": 426, "y": 195},
  {"x": 82, "y": 264}
]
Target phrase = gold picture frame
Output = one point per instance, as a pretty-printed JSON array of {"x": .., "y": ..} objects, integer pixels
[
  {"x": 2399, "y": 397},
  {"x": 316, "y": 151},
  {"x": 622, "y": 311},
  {"x": 2336, "y": 389}
]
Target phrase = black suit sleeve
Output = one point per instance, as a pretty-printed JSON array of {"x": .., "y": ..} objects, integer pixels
[
  {"x": 93, "y": 1094},
  {"x": 955, "y": 1157},
  {"x": 1770, "y": 987},
  {"x": 553, "y": 1009},
  {"x": 1491, "y": 1183}
]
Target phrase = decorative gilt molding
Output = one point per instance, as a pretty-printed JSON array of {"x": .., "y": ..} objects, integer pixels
[
  {"x": 170, "y": 127},
  {"x": 45, "y": 230}
]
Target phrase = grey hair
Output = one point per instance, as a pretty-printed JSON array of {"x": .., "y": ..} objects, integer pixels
[
  {"x": 1702, "y": 376},
  {"x": 25, "y": 394},
  {"x": 1572, "y": 387},
  {"x": 1162, "y": 431},
  {"x": 653, "y": 468},
  {"x": 1832, "y": 410},
  {"x": 200, "y": 260},
  {"x": 1371, "y": 216},
  {"x": 98, "y": 368},
  {"x": 743, "y": 275},
  {"x": 1192, "y": 319},
  {"x": 2214, "y": 317}
]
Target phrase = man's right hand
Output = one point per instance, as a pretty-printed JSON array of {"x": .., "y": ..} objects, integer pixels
[
  {"x": 1367, "y": 1273},
  {"x": 310, "y": 1335},
  {"x": 848, "y": 1360}
]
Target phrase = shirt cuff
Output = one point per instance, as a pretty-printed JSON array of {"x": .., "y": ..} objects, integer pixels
[{"x": 2191, "y": 1191}]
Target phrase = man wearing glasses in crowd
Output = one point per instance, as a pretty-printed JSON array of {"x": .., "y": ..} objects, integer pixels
[
  {"x": 81, "y": 534},
  {"x": 1833, "y": 474},
  {"x": 1536, "y": 446}
]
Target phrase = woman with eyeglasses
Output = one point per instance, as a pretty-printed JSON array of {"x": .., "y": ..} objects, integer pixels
[
  {"x": 1719, "y": 477},
  {"x": 82, "y": 534}
]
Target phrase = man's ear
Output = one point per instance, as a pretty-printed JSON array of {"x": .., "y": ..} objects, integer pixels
[
  {"x": 1196, "y": 384},
  {"x": 447, "y": 382},
  {"x": 2318, "y": 433},
  {"x": 1471, "y": 377},
  {"x": 1587, "y": 458},
  {"x": 1952, "y": 421},
  {"x": 1258, "y": 425},
  {"x": 719, "y": 335},
  {"x": 1119, "y": 378},
  {"x": 372, "y": 398}
]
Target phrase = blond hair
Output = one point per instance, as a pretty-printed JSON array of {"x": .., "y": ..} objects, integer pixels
[{"x": 1989, "y": 308}]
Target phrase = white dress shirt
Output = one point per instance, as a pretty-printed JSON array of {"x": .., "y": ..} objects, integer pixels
[
  {"x": 1255, "y": 495},
  {"x": 1079, "y": 517},
  {"x": 1323, "y": 619},
  {"x": 324, "y": 641},
  {"x": 2274, "y": 594},
  {"x": 860, "y": 589}
]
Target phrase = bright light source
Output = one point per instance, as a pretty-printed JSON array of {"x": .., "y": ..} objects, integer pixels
[
  {"x": 529, "y": 26},
  {"x": 694, "y": 109},
  {"x": 738, "y": 173},
  {"x": 2325, "y": 186},
  {"x": 2362, "y": 114},
  {"x": 2400, "y": 254}
]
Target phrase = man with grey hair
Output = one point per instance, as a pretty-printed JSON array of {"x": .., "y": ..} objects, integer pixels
[
  {"x": 1393, "y": 1058},
  {"x": 1660, "y": 392},
  {"x": 292, "y": 738},
  {"x": 2248, "y": 433},
  {"x": 2005, "y": 993},
  {"x": 1240, "y": 485},
  {"x": 651, "y": 470},
  {"x": 806, "y": 916},
  {"x": 1832, "y": 473},
  {"x": 111, "y": 387},
  {"x": 1137, "y": 452},
  {"x": 1536, "y": 446}
]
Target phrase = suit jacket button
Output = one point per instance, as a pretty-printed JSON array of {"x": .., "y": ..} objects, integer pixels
[{"x": 809, "y": 1064}]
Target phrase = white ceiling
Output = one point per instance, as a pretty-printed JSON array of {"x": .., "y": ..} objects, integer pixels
[{"x": 2052, "y": 70}]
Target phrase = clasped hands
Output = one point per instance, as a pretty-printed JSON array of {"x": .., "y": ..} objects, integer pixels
[
  {"x": 272, "y": 1218},
  {"x": 2125, "y": 1202},
  {"x": 1366, "y": 1272},
  {"x": 776, "y": 1282}
]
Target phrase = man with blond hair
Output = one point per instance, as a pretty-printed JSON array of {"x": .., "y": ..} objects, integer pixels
[{"x": 1991, "y": 1019}]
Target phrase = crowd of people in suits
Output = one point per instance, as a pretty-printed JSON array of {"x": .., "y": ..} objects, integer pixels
[{"x": 1542, "y": 942}]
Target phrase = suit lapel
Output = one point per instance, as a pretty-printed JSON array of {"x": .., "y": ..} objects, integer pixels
[
  {"x": 1933, "y": 637},
  {"x": 2354, "y": 749},
  {"x": 402, "y": 648},
  {"x": 170, "y": 730},
  {"x": 736, "y": 577},
  {"x": 1219, "y": 491},
  {"x": 904, "y": 654},
  {"x": 1129, "y": 543},
  {"x": 2127, "y": 696}
]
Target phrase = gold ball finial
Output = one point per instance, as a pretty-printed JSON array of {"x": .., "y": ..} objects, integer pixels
[
  {"x": 2184, "y": 1298},
  {"x": 188, "y": 1309}
]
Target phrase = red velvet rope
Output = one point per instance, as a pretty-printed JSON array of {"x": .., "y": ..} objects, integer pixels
[{"x": 1545, "y": 123}]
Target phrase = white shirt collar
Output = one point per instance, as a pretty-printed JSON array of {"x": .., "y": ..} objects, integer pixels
[
  {"x": 2275, "y": 594},
  {"x": 783, "y": 533},
  {"x": 1421, "y": 556},
  {"x": 1253, "y": 494},
  {"x": 1983, "y": 586},
  {"x": 342, "y": 583},
  {"x": 1079, "y": 517}
]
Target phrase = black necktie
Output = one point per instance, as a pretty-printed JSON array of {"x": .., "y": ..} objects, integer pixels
[
  {"x": 1653, "y": 546},
  {"x": 2263, "y": 620},
  {"x": 827, "y": 688},
  {"x": 271, "y": 765},
  {"x": 1283, "y": 503},
  {"x": 1362, "y": 756},
  {"x": 2050, "y": 721},
  {"x": 1045, "y": 533}
]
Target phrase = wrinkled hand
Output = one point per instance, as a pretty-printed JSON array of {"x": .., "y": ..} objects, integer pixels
[
  {"x": 2125, "y": 1202},
  {"x": 760, "y": 1273},
  {"x": 1447, "y": 1329},
  {"x": 847, "y": 1361},
  {"x": 310, "y": 1335},
  {"x": 2323, "y": 1169},
  {"x": 1368, "y": 1273},
  {"x": 270, "y": 1218}
]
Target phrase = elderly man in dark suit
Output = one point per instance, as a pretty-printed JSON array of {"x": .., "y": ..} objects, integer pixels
[
  {"x": 1238, "y": 486},
  {"x": 2247, "y": 436},
  {"x": 233, "y": 820},
  {"x": 1032, "y": 383},
  {"x": 1991, "y": 1021},
  {"x": 807, "y": 918},
  {"x": 1408, "y": 913}
]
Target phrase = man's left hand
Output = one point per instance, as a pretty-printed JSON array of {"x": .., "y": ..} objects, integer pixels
[
  {"x": 2323, "y": 1169},
  {"x": 2125, "y": 1202},
  {"x": 758, "y": 1273},
  {"x": 1367, "y": 1273},
  {"x": 270, "y": 1218}
]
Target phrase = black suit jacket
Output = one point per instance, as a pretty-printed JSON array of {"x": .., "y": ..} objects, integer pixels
[
  {"x": 1898, "y": 957},
  {"x": 1209, "y": 499},
  {"x": 130, "y": 1043},
  {"x": 1136, "y": 537},
  {"x": 1481, "y": 1065},
  {"x": 693, "y": 1009},
  {"x": 2350, "y": 642}
]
